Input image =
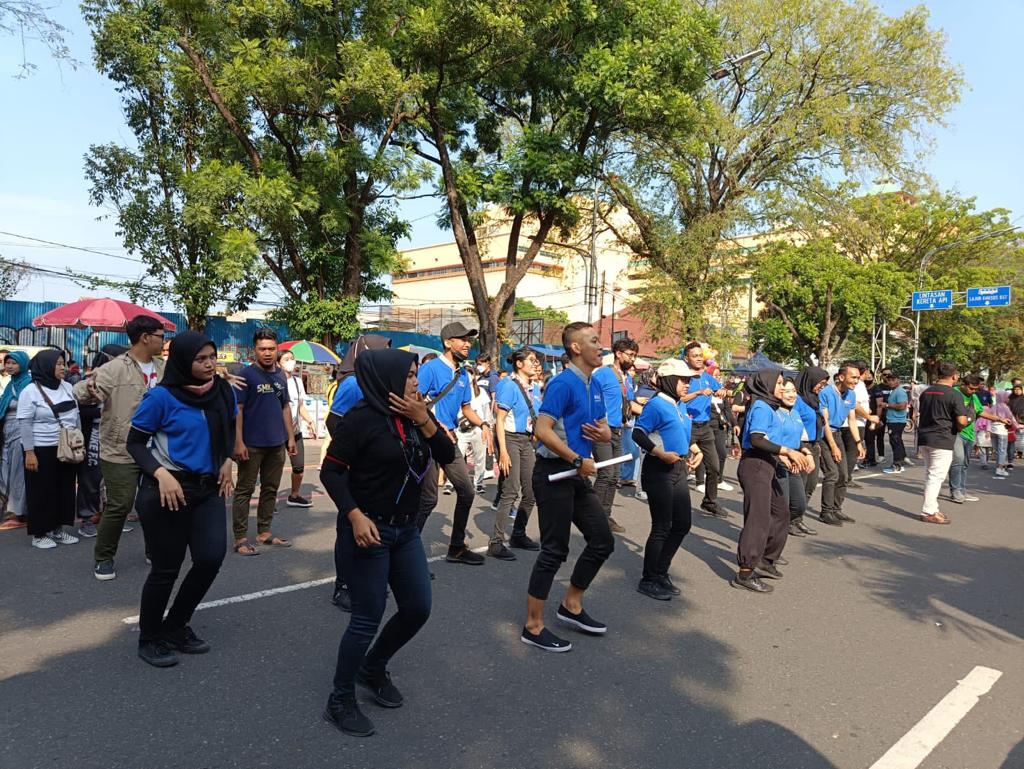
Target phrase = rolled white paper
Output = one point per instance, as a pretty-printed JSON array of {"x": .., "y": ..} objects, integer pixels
[{"x": 605, "y": 463}]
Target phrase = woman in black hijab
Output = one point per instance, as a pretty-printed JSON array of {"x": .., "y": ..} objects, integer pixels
[
  {"x": 373, "y": 471},
  {"x": 809, "y": 383},
  {"x": 765, "y": 508},
  {"x": 190, "y": 419}
]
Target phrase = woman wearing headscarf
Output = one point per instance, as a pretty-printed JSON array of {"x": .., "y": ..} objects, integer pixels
[
  {"x": 663, "y": 431},
  {"x": 765, "y": 508},
  {"x": 44, "y": 407},
  {"x": 12, "y": 460},
  {"x": 182, "y": 438},
  {"x": 1016, "y": 404},
  {"x": 374, "y": 469},
  {"x": 809, "y": 383},
  {"x": 791, "y": 435}
]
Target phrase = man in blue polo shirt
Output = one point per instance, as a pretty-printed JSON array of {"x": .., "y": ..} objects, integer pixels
[
  {"x": 837, "y": 403},
  {"x": 447, "y": 387},
  {"x": 698, "y": 406},
  {"x": 617, "y": 390},
  {"x": 571, "y": 419}
]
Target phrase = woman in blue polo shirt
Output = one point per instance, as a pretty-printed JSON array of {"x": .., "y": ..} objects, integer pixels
[
  {"x": 664, "y": 431},
  {"x": 810, "y": 382},
  {"x": 792, "y": 434},
  {"x": 189, "y": 418},
  {"x": 765, "y": 509},
  {"x": 514, "y": 430}
]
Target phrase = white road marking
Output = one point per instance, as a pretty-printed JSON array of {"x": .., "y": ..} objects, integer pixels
[
  {"x": 927, "y": 733},
  {"x": 134, "y": 620}
]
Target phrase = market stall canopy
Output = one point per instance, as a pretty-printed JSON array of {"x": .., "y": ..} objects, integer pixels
[
  {"x": 97, "y": 314},
  {"x": 758, "y": 361},
  {"x": 309, "y": 352}
]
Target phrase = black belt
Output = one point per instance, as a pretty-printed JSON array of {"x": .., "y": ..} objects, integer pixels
[{"x": 701, "y": 424}]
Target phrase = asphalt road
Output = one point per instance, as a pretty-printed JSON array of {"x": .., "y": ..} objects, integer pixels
[{"x": 871, "y": 627}]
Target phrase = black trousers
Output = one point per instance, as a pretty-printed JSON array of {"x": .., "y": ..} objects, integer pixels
[
  {"x": 811, "y": 478},
  {"x": 668, "y": 498},
  {"x": 849, "y": 451},
  {"x": 722, "y": 450},
  {"x": 704, "y": 437},
  {"x": 794, "y": 487},
  {"x": 50, "y": 493},
  {"x": 458, "y": 474},
  {"x": 874, "y": 442},
  {"x": 560, "y": 506},
  {"x": 835, "y": 475},
  {"x": 899, "y": 451},
  {"x": 765, "y": 511},
  {"x": 199, "y": 526},
  {"x": 607, "y": 480}
]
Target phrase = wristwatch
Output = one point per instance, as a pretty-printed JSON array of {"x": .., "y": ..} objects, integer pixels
[{"x": 578, "y": 462}]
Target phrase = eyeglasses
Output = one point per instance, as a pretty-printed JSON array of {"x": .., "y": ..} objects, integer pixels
[{"x": 158, "y": 336}]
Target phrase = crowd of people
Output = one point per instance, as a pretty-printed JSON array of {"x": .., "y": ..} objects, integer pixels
[{"x": 156, "y": 433}]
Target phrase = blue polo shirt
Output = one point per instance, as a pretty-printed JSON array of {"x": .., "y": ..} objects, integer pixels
[
  {"x": 667, "y": 424},
  {"x": 809, "y": 418},
  {"x": 761, "y": 418},
  {"x": 572, "y": 402},
  {"x": 347, "y": 395},
  {"x": 434, "y": 376},
  {"x": 510, "y": 398},
  {"x": 839, "y": 406},
  {"x": 181, "y": 438},
  {"x": 263, "y": 401},
  {"x": 612, "y": 392},
  {"x": 791, "y": 427},
  {"x": 897, "y": 416},
  {"x": 699, "y": 408}
]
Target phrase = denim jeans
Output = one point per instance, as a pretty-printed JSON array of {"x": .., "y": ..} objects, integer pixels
[
  {"x": 958, "y": 470},
  {"x": 398, "y": 561},
  {"x": 629, "y": 468},
  {"x": 999, "y": 442}
]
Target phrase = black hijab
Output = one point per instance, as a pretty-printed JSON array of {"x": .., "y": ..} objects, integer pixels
[
  {"x": 43, "y": 366},
  {"x": 807, "y": 380},
  {"x": 217, "y": 403},
  {"x": 760, "y": 386},
  {"x": 667, "y": 385},
  {"x": 380, "y": 373}
]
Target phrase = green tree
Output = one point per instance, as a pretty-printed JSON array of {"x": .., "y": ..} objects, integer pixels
[
  {"x": 842, "y": 89},
  {"x": 524, "y": 308},
  {"x": 12, "y": 277},
  {"x": 815, "y": 297},
  {"x": 522, "y": 100},
  {"x": 308, "y": 95}
]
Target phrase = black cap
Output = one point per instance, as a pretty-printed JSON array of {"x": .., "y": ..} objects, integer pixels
[{"x": 456, "y": 331}]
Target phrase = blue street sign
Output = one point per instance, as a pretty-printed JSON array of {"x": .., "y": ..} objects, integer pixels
[
  {"x": 988, "y": 296},
  {"x": 932, "y": 300}
]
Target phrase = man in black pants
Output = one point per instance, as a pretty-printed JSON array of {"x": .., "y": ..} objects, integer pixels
[
  {"x": 698, "y": 406},
  {"x": 571, "y": 419}
]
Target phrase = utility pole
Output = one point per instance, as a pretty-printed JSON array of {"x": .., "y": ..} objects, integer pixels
[{"x": 600, "y": 312}]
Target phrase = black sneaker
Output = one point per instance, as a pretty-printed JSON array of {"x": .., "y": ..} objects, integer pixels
[
  {"x": 805, "y": 529},
  {"x": 385, "y": 693},
  {"x": 185, "y": 641},
  {"x": 499, "y": 551},
  {"x": 342, "y": 599},
  {"x": 157, "y": 654},
  {"x": 794, "y": 530},
  {"x": 523, "y": 542},
  {"x": 831, "y": 519},
  {"x": 768, "y": 570},
  {"x": 344, "y": 715},
  {"x": 713, "y": 510},
  {"x": 750, "y": 581},
  {"x": 104, "y": 571},
  {"x": 545, "y": 640},
  {"x": 581, "y": 621},
  {"x": 480, "y": 488},
  {"x": 844, "y": 517},
  {"x": 464, "y": 555},
  {"x": 653, "y": 590},
  {"x": 666, "y": 582},
  {"x": 299, "y": 501}
]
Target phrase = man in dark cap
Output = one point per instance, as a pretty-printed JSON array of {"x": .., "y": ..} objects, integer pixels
[{"x": 446, "y": 385}]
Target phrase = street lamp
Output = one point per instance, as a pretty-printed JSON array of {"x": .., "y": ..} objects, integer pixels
[
  {"x": 733, "y": 62},
  {"x": 920, "y": 278}
]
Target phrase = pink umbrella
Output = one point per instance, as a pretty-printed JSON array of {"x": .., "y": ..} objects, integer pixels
[{"x": 97, "y": 314}]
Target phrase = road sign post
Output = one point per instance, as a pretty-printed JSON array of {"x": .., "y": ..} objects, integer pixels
[{"x": 989, "y": 296}]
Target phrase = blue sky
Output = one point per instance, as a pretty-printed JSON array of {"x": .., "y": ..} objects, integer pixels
[{"x": 52, "y": 117}]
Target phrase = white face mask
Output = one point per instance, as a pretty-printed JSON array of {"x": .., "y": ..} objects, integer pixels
[{"x": 288, "y": 365}]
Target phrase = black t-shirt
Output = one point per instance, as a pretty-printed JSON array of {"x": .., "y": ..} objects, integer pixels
[
  {"x": 940, "y": 406},
  {"x": 879, "y": 394}
]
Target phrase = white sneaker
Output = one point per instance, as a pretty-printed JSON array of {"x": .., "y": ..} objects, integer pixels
[
  {"x": 43, "y": 543},
  {"x": 1001, "y": 473},
  {"x": 641, "y": 495},
  {"x": 488, "y": 475},
  {"x": 61, "y": 537},
  {"x": 723, "y": 486},
  {"x": 700, "y": 487}
]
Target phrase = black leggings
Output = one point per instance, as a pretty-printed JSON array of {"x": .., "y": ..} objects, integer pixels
[
  {"x": 200, "y": 526},
  {"x": 668, "y": 497}
]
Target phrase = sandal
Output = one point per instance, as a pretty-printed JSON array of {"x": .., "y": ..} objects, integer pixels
[
  {"x": 12, "y": 523},
  {"x": 242, "y": 547},
  {"x": 275, "y": 541},
  {"x": 935, "y": 518}
]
